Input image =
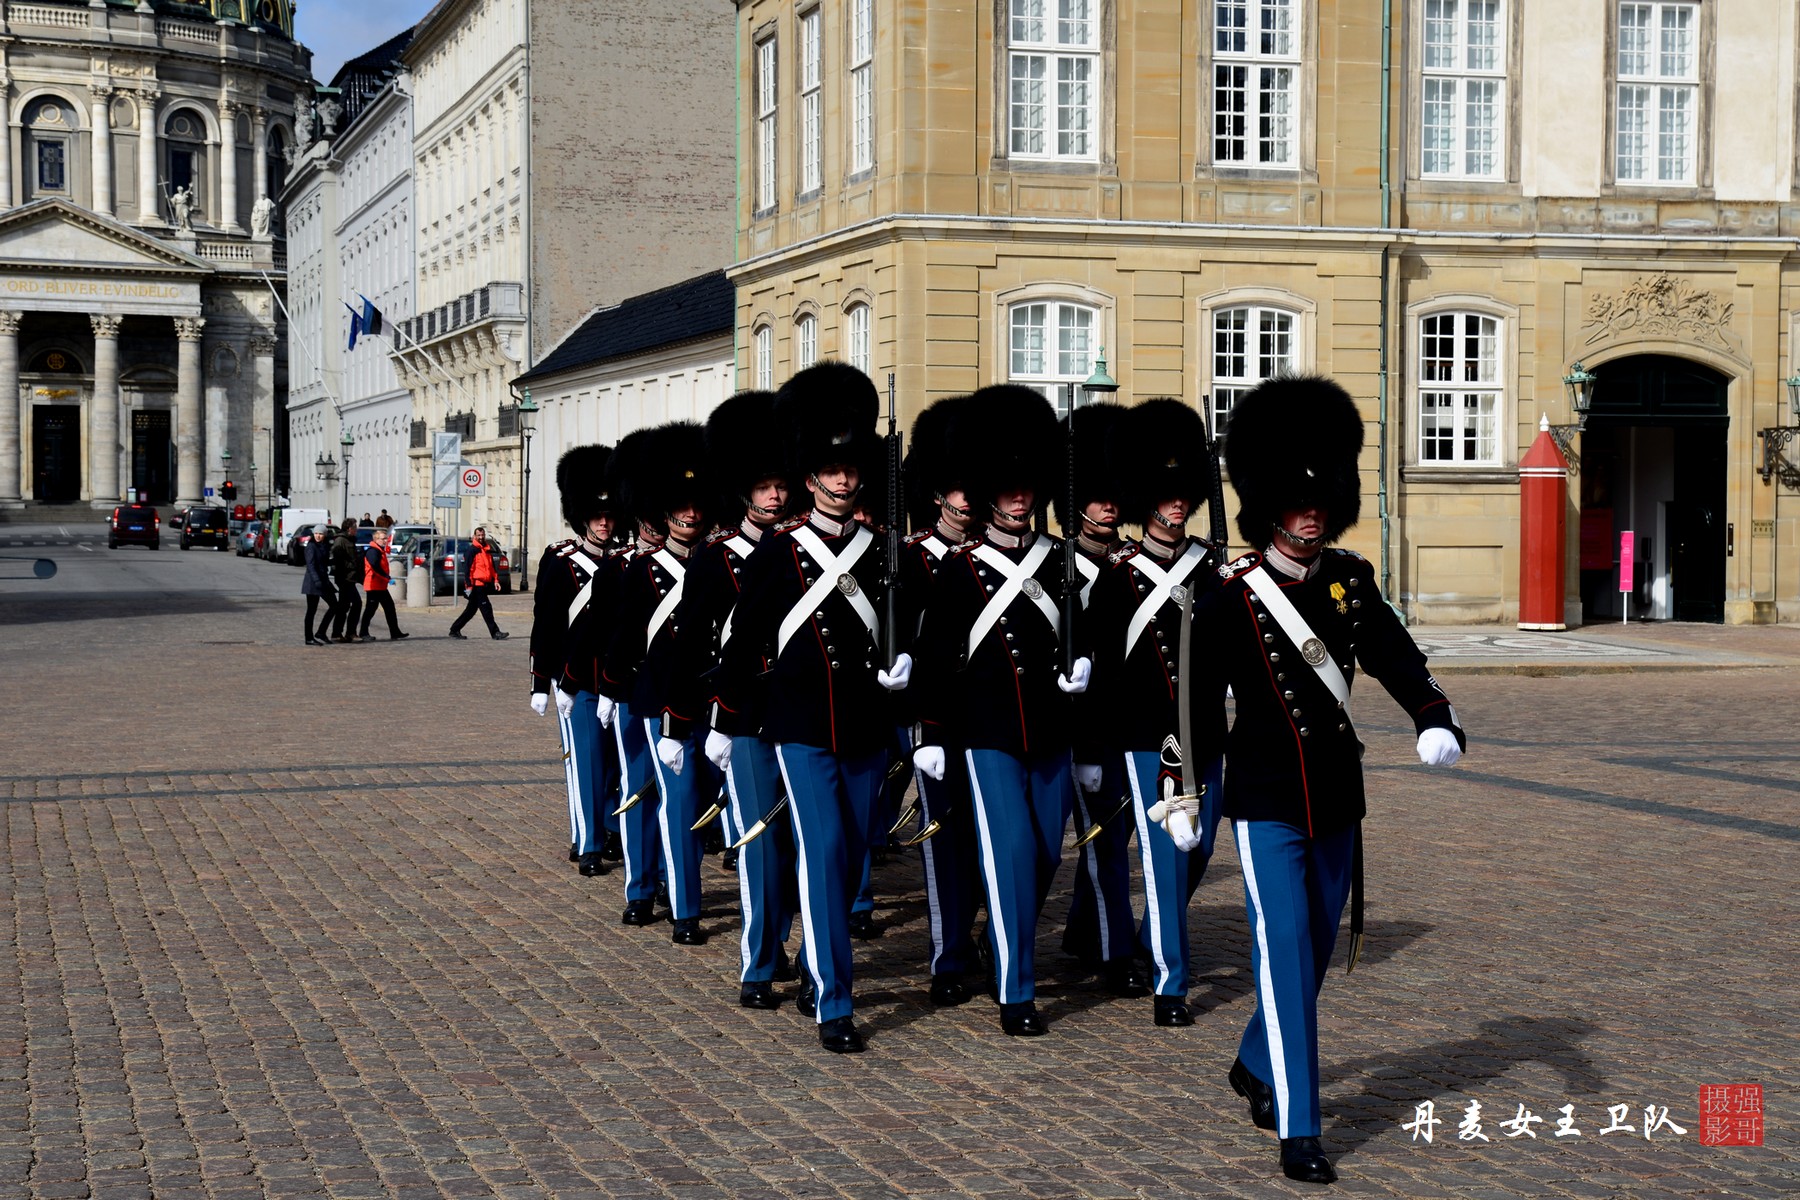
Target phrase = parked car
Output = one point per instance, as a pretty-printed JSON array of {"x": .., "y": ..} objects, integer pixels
[
  {"x": 449, "y": 559},
  {"x": 249, "y": 537},
  {"x": 283, "y": 546},
  {"x": 204, "y": 526},
  {"x": 403, "y": 536},
  {"x": 140, "y": 524}
]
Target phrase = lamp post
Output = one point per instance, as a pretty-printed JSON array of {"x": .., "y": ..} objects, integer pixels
[
  {"x": 253, "y": 506},
  {"x": 528, "y": 410},
  {"x": 1579, "y": 384},
  {"x": 1776, "y": 438},
  {"x": 225, "y": 465},
  {"x": 347, "y": 441}
]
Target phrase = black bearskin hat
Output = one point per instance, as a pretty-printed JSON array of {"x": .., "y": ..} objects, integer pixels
[
  {"x": 929, "y": 471},
  {"x": 1293, "y": 442},
  {"x": 1159, "y": 453},
  {"x": 743, "y": 447},
  {"x": 672, "y": 472},
  {"x": 1007, "y": 438},
  {"x": 581, "y": 478},
  {"x": 1095, "y": 475},
  {"x": 826, "y": 415},
  {"x": 625, "y": 473}
]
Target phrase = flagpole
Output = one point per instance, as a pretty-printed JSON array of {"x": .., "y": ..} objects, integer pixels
[{"x": 336, "y": 405}]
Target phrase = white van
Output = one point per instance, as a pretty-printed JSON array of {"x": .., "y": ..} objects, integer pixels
[{"x": 286, "y": 523}]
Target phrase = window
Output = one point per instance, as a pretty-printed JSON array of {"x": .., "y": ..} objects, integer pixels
[
  {"x": 52, "y": 164},
  {"x": 1463, "y": 95},
  {"x": 50, "y": 124},
  {"x": 1054, "y": 68},
  {"x": 1659, "y": 92},
  {"x": 1250, "y": 344},
  {"x": 765, "y": 358},
  {"x": 1052, "y": 346},
  {"x": 862, "y": 85},
  {"x": 1459, "y": 388},
  {"x": 1256, "y": 82},
  {"x": 765, "y": 125},
  {"x": 811, "y": 140},
  {"x": 856, "y": 321},
  {"x": 806, "y": 342}
]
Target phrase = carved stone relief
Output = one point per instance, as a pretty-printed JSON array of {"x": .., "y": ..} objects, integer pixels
[{"x": 1661, "y": 306}]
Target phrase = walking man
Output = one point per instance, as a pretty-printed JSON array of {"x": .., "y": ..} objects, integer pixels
[
  {"x": 346, "y": 569},
  {"x": 316, "y": 585},
  {"x": 375, "y": 587},
  {"x": 482, "y": 579}
]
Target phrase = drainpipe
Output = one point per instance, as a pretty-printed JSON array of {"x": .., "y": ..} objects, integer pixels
[
  {"x": 1387, "y": 200},
  {"x": 737, "y": 186}
]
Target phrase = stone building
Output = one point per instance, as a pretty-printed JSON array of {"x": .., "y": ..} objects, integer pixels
[
  {"x": 1448, "y": 213},
  {"x": 141, "y": 152},
  {"x": 567, "y": 156}
]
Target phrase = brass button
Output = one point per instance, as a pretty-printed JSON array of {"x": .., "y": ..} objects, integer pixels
[
  {"x": 1268, "y": 637},
  {"x": 1305, "y": 732},
  {"x": 1294, "y": 713},
  {"x": 1274, "y": 656},
  {"x": 1262, "y": 616},
  {"x": 1356, "y": 604},
  {"x": 1009, "y": 637},
  {"x": 1290, "y": 696},
  {"x": 1281, "y": 677},
  {"x": 1354, "y": 582},
  {"x": 1018, "y": 670},
  {"x": 1002, "y": 620},
  {"x": 834, "y": 664}
]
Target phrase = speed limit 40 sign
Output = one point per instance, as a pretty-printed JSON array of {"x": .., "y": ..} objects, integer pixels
[{"x": 473, "y": 480}]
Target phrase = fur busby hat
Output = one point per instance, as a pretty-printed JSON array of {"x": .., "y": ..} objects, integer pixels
[
  {"x": 625, "y": 473},
  {"x": 1096, "y": 477},
  {"x": 581, "y": 479},
  {"x": 929, "y": 471},
  {"x": 1007, "y": 437},
  {"x": 743, "y": 447},
  {"x": 1294, "y": 442},
  {"x": 1158, "y": 452},
  {"x": 671, "y": 472},
  {"x": 826, "y": 415}
]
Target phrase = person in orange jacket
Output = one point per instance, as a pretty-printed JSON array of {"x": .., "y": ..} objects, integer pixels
[
  {"x": 376, "y": 575},
  {"x": 482, "y": 579}
]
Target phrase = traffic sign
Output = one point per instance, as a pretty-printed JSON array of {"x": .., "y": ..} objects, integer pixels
[
  {"x": 445, "y": 479},
  {"x": 446, "y": 502},
  {"x": 474, "y": 481},
  {"x": 446, "y": 449}
]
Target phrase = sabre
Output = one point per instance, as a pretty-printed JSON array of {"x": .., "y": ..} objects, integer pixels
[
  {"x": 929, "y": 831},
  {"x": 1093, "y": 831},
  {"x": 891, "y": 635},
  {"x": 707, "y": 817},
  {"x": 756, "y": 830},
  {"x": 905, "y": 819},
  {"x": 636, "y": 798},
  {"x": 1071, "y": 574},
  {"x": 1356, "y": 903}
]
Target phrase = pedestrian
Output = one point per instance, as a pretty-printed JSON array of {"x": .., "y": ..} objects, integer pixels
[
  {"x": 564, "y": 650},
  {"x": 482, "y": 578},
  {"x": 1159, "y": 453},
  {"x": 346, "y": 569},
  {"x": 315, "y": 585},
  {"x": 367, "y": 521},
  {"x": 383, "y": 521},
  {"x": 803, "y": 648},
  {"x": 1285, "y": 632},
  {"x": 992, "y": 680},
  {"x": 375, "y": 587}
]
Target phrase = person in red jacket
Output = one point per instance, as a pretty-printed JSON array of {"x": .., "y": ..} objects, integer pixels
[
  {"x": 375, "y": 587},
  {"x": 482, "y": 579}
]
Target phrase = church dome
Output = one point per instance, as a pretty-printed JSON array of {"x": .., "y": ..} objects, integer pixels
[{"x": 275, "y": 16}]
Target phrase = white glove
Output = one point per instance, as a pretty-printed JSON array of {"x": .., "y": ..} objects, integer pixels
[
  {"x": 1438, "y": 748},
  {"x": 605, "y": 708},
  {"x": 930, "y": 759},
  {"x": 540, "y": 701},
  {"x": 1087, "y": 777},
  {"x": 1172, "y": 814},
  {"x": 565, "y": 704},
  {"x": 718, "y": 748},
  {"x": 671, "y": 752},
  {"x": 1076, "y": 681},
  {"x": 1181, "y": 829},
  {"x": 899, "y": 677}
]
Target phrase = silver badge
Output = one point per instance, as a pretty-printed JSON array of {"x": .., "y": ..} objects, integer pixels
[
  {"x": 1033, "y": 589},
  {"x": 1313, "y": 651},
  {"x": 847, "y": 585},
  {"x": 1178, "y": 594}
]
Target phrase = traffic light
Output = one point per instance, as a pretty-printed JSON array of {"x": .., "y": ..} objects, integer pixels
[{"x": 228, "y": 490}]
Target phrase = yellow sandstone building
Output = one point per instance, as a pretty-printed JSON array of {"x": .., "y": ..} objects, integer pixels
[{"x": 1449, "y": 205}]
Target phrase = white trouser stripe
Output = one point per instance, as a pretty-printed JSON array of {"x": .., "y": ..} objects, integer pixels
[
  {"x": 626, "y": 787},
  {"x": 745, "y": 950},
  {"x": 570, "y": 779},
  {"x": 1265, "y": 986},
  {"x": 807, "y": 921},
  {"x": 1152, "y": 900},
  {"x": 934, "y": 907},
  {"x": 1090, "y": 861},
  {"x": 996, "y": 910},
  {"x": 652, "y": 731}
]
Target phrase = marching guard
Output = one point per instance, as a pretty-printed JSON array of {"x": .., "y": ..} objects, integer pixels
[
  {"x": 564, "y": 650},
  {"x": 669, "y": 494},
  {"x": 993, "y": 685},
  {"x": 1160, "y": 450},
  {"x": 1286, "y": 632},
  {"x": 812, "y": 594},
  {"x": 746, "y": 461}
]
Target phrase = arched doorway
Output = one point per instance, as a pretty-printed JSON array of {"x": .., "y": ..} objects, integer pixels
[{"x": 1653, "y": 461}]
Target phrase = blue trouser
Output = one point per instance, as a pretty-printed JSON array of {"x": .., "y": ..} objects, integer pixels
[
  {"x": 729, "y": 829},
  {"x": 684, "y": 795},
  {"x": 1100, "y": 923},
  {"x": 637, "y": 829},
  {"x": 767, "y": 889},
  {"x": 952, "y": 874},
  {"x": 1294, "y": 893},
  {"x": 610, "y": 784},
  {"x": 1021, "y": 808},
  {"x": 1170, "y": 875},
  {"x": 833, "y": 800},
  {"x": 584, "y": 755}
]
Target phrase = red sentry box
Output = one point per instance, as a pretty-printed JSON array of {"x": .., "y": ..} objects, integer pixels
[{"x": 1731, "y": 1114}]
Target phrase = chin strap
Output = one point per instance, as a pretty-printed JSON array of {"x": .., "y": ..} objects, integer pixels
[
  {"x": 1305, "y": 543},
  {"x": 848, "y": 497},
  {"x": 961, "y": 514},
  {"x": 769, "y": 515},
  {"x": 1156, "y": 515}
]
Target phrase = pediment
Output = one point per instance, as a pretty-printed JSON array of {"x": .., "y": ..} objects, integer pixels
[{"x": 56, "y": 235}]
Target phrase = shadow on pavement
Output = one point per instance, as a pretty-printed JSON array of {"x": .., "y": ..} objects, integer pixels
[{"x": 33, "y": 610}]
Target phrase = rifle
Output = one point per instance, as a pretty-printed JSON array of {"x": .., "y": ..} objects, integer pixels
[
  {"x": 891, "y": 634},
  {"x": 1071, "y": 573},
  {"x": 1215, "y": 506}
]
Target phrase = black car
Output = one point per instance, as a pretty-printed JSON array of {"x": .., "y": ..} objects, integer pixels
[
  {"x": 140, "y": 524},
  {"x": 205, "y": 526}
]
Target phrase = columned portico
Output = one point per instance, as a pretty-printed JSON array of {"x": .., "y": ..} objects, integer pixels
[
  {"x": 149, "y": 212},
  {"x": 9, "y": 409},
  {"x": 188, "y": 440},
  {"x": 100, "y": 117},
  {"x": 103, "y": 413}
]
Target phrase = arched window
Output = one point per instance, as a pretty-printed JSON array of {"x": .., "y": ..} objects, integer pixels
[
  {"x": 50, "y": 128},
  {"x": 856, "y": 336},
  {"x": 276, "y": 162},
  {"x": 765, "y": 358},
  {"x": 1461, "y": 388},
  {"x": 1250, "y": 343},
  {"x": 1052, "y": 345},
  {"x": 184, "y": 157},
  {"x": 806, "y": 342}
]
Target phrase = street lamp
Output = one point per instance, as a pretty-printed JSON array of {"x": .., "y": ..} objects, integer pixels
[
  {"x": 327, "y": 468},
  {"x": 1579, "y": 384},
  {"x": 1778, "y": 437},
  {"x": 253, "y": 507},
  {"x": 527, "y": 411},
  {"x": 347, "y": 441}
]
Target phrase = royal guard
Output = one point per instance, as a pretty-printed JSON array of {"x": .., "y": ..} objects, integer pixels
[
  {"x": 563, "y": 617},
  {"x": 1100, "y": 929},
  {"x": 746, "y": 462},
  {"x": 1160, "y": 453},
  {"x": 943, "y": 523},
  {"x": 1286, "y": 632},
  {"x": 805, "y": 642},
  {"x": 994, "y": 688}
]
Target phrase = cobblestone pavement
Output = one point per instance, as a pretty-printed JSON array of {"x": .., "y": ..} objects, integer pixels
[{"x": 290, "y": 921}]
